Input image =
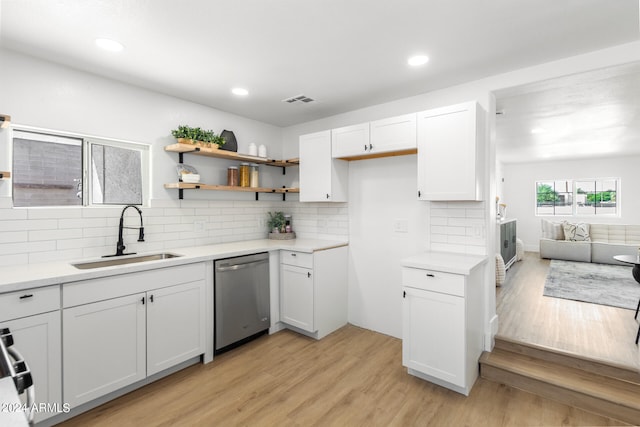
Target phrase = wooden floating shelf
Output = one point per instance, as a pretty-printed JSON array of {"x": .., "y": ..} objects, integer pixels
[
  {"x": 228, "y": 155},
  {"x": 199, "y": 186},
  {"x": 181, "y": 186},
  {"x": 5, "y": 175},
  {"x": 380, "y": 155}
]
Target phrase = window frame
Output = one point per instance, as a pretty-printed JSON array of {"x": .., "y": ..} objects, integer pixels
[
  {"x": 574, "y": 193},
  {"x": 88, "y": 142},
  {"x": 87, "y": 181}
]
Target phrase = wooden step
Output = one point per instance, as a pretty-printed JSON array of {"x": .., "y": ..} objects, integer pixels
[
  {"x": 571, "y": 360},
  {"x": 557, "y": 379}
]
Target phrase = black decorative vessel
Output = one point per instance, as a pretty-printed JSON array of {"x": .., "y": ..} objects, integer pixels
[{"x": 231, "y": 144}]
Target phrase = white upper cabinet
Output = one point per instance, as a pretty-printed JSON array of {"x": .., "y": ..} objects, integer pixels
[
  {"x": 375, "y": 139},
  {"x": 393, "y": 134},
  {"x": 450, "y": 152},
  {"x": 322, "y": 178},
  {"x": 350, "y": 141}
]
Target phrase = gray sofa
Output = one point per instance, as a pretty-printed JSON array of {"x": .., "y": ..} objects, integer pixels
[{"x": 606, "y": 240}]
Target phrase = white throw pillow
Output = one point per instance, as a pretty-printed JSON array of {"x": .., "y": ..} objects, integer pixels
[
  {"x": 578, "y": 232},
  {"x": 500, "y": 270},
  {"x": 552, "y": 230}
]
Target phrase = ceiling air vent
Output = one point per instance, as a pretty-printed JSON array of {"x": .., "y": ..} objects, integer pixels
[{"x": 299, "y": 98}]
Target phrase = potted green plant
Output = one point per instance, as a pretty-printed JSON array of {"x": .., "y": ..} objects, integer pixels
[
  {"x": 276, "y": 224},
  {"x": 197, "y": 136}
]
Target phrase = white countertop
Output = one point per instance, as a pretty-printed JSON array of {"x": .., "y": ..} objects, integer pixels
[
  {"x": 447, "y": 262},
  {"x": 27, "y": 276}
]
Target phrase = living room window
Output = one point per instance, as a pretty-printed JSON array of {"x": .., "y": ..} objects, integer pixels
[
  {"x": 55, "y": 169},
  {"x": 579, "y": 197}
]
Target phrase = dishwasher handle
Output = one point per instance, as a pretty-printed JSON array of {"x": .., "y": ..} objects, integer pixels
[{"x": 240, "y": 266}]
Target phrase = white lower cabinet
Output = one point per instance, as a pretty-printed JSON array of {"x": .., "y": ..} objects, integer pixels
[
  {"x": 38, "y": 340},
  {"x": 122, "y": 339},
  {"x": 104, "y": 347},
  {"x": 437, "y": 350},
  {"x": 313, "y": 290},
  {"x": 297, "y": 297},
  {"x": 175, "y": 326},
  {"x": 442, "y": 332}
]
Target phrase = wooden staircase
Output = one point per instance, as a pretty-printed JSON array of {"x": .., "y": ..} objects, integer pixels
[{"x": 612, "y": 391}]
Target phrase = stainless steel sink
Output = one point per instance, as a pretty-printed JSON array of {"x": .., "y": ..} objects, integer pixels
[{"x": 123, "y": 260}]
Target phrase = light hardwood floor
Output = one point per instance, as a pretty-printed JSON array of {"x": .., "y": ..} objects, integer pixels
[
  {"x": 595, "y": 331},
  {"x": 353, "y": 377}
]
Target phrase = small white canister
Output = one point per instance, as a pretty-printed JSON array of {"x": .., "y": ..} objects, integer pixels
[
  {"x": 262, "y": 151},
  {"x": 253, "y": 150}
]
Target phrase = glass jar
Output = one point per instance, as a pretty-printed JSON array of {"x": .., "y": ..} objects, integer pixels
[
  {"x": 232, "y": 176},
  {"x": 288, "y": 224},
  {"x": 244, "y": 174},
  {"x": 253, "y": 175}
]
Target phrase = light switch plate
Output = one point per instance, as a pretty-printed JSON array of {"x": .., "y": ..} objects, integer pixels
[{"x": 401, "y": 226}]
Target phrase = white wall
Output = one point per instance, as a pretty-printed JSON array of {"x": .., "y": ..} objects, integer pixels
[
  {"x": 45, "y": 95},
  {"x": 519, "y": 191}
]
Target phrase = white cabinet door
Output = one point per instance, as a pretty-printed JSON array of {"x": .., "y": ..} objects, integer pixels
[
  {"x": 38, "y": 339},
  {"x": 175, "y": 325},
  {"x": 350, "y": 141},
  {"x": 322, "y": 178},
  {"x": 393, "y": 134},
  {"x": 433, "y": 334},
  {"x": 448, "y": 153},
  {"x": 297, "y": 297},
  {"x": 104, "y": 347}
]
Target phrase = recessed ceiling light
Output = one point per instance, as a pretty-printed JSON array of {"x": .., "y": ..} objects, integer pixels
[
  {"x": 110, "y": 45},
  {"x": 240, "y": 91},
  {"x": 418, "y": 60}
]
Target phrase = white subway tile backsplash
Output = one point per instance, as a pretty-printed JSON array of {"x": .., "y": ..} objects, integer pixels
[
  {"x": 37, "y": 235},
  {"x": 13, "y": 214},
  {"x": 179, "y": 211},
  {"x": 13, "y": 236},
  {"x": 82, "y": 223},
  {"x": 31, "y": 235},
  {"x": 54, "y": 213},
  {"x": 458, "y": 227}
]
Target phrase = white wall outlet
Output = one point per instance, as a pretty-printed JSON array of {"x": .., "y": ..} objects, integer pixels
[
  {"x": 198, "y": 225},
  {"x": 401, "y": 226}
]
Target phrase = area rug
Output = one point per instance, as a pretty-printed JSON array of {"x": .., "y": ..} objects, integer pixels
[{"x": 594, "y": 283}]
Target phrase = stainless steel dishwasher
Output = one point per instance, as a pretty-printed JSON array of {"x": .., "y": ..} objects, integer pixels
[{"x": 241, "y": 299}]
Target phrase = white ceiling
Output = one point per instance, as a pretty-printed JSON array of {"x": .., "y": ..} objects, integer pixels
[
  {"x": 346, "y": 54},
  {"x": 592, "y": 114}
]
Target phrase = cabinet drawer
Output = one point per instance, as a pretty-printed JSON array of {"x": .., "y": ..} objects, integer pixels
[
  {"x": 299, "y": 259},
  {"x": 92, "y": 290},
  {"x": 29, "y": 302},
  {"x": 436, "y": 281}
]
